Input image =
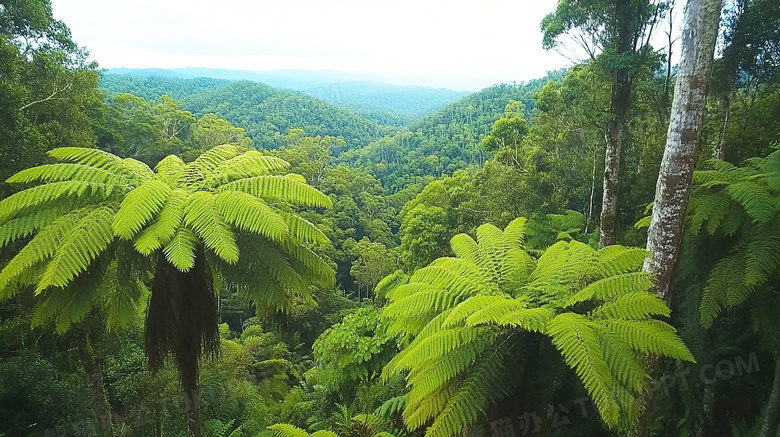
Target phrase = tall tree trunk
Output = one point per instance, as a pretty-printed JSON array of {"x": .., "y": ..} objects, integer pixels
[
  {"x": 619, "y": 106},
  {"x": 769, "y": 427},
  {"x": 674, "y": 179},
  {"x": 96, "y": 388}
]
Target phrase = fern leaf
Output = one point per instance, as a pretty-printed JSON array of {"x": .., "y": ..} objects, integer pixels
[
  {"x": 465, "y": 248},
  {"x": 576, "y": 340},
  {"x": 139, "y": 207},
  {"x": 26, "y": 225},
  {"x": 44, "y": 194},
  {"x": 79, "y": 248},
  {"x": 650, "y": 336},
  {"x": 613, "y": 286},
  {"x": 180, "y": 250},
  {"x": 162, "y": 229},
  {"x": 386, "y": 287},
  {"x": 279, "y": 188},
  {"x": 62, "y": 173},
  {"x": 41, "y": 248},
  {"x": 251, "y": 214},
  {"x": 618, "y": 260},
  {"x": 285, "y": 430},
  {"x": 201, "y": 215},
  {"x": 304, "y": 230},
  {"x": 485, "y": 383},
  {"x": 754, "y": 198},
  {"x": 633, "y": 306}
]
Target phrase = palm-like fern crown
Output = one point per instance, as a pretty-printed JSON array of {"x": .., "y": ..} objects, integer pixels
[
  {"x": 86, "y": 211},
  {"x": 742, "y": 201},
  {"x": 465, "y": 314}
]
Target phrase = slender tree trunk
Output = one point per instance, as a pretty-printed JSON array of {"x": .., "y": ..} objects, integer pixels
[
  {"x": 674, "y": 179},
  {"x": 769, "y": 427},
  {"x": 619, "y": 106},
  {"x": 189, "y": 384},
  {"x": 95, "y": 380},
  {"x": 719, "y": 151}
]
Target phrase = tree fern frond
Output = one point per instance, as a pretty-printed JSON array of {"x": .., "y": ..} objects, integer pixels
[
  {"x": 754, "y": 198},
  {"x": 728, "y": 274},
  {"x": 622, "y": 362},
  {"x": 618, "y": 260},
  {"x": 649, "y": 336},
  {"x": 26, "y": 225},
  {"x": 249, "y": 164},
  {"x": 633, "y": 306},
  {"x": 427, "y": 300},
  {"x": 485, "y": 383},
  {"x": 170, "y": 169},
  {"x": 251, "y": 214},
  {"x": 139, "y": 207},
  {"x": 78, "y": 248},
  {"x": 392, "y": 406},
  {"x": 42, "y": 247},
  {"x": 180, "y": 250},
  {"x": 279, "y": 188},
  {"x": 11, "y": 206},
  {"x": 285, "y": 430},
  {"x": 465, "y": 248},
  {"x": 492, "y": 250},
  {"x": 211, "y": 159},
  {"x": 64, "y": 172},
  {"x": 762, "y": 256},
  {"x": 514, "y": 232},
  {"x": 304, "y": 230},
  {"x": 164, "y": 226},
  {"x": 386, "y": 287},
  {"x": 420, "y": 413},
  {"x": 613, "y": 286},
  {"x": 453, "y": 281},
  {"x": 576, "y": 340},
  {"x": 308, "y": 264},
  {"x": 201, "y": 214},
  {"x": 439, "y": 344}
]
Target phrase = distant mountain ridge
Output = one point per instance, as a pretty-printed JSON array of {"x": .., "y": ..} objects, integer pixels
[{"x": 375, "y": 100}]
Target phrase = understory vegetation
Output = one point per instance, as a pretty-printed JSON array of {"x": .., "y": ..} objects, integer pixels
[{"x": 217, "y": 258}]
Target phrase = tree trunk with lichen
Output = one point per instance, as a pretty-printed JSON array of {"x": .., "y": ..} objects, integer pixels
[
  {"x": 664, "y": 237},
  {"x": 688, "y": 108},
  {"x": 620, "y": 103}
]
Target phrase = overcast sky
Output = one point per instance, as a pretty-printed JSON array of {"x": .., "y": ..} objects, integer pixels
[{"x": 459, "y": 45}]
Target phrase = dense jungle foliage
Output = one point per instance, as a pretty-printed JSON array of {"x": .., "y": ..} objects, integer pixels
[{"x": 206, "y": 257}]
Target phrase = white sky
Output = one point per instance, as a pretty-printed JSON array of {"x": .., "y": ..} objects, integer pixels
[{"x": 440, "y": 43}]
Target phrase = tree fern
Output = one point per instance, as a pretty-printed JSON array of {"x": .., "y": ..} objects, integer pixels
[
  {"x": 468, "y": 315},
  {"x": 743, "y": 203},
  {"x": 87, "y": 212}
]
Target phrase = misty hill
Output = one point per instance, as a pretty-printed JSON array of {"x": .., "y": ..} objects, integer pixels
[
  {"x": 446, "y": 141},
  {"x": 266, "y": 113},
  {"x": 383, "y": 102}
]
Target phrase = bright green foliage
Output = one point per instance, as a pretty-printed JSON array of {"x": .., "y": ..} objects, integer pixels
[
  {"x": 465, "y": 315},
  {"x": 361, "y": 425},
  {"x": 86, "y": 210},
  {"x": 743, "y": 202},
  {"x": 352, "y": 351},
  {"x": 509, "y": 130}
]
